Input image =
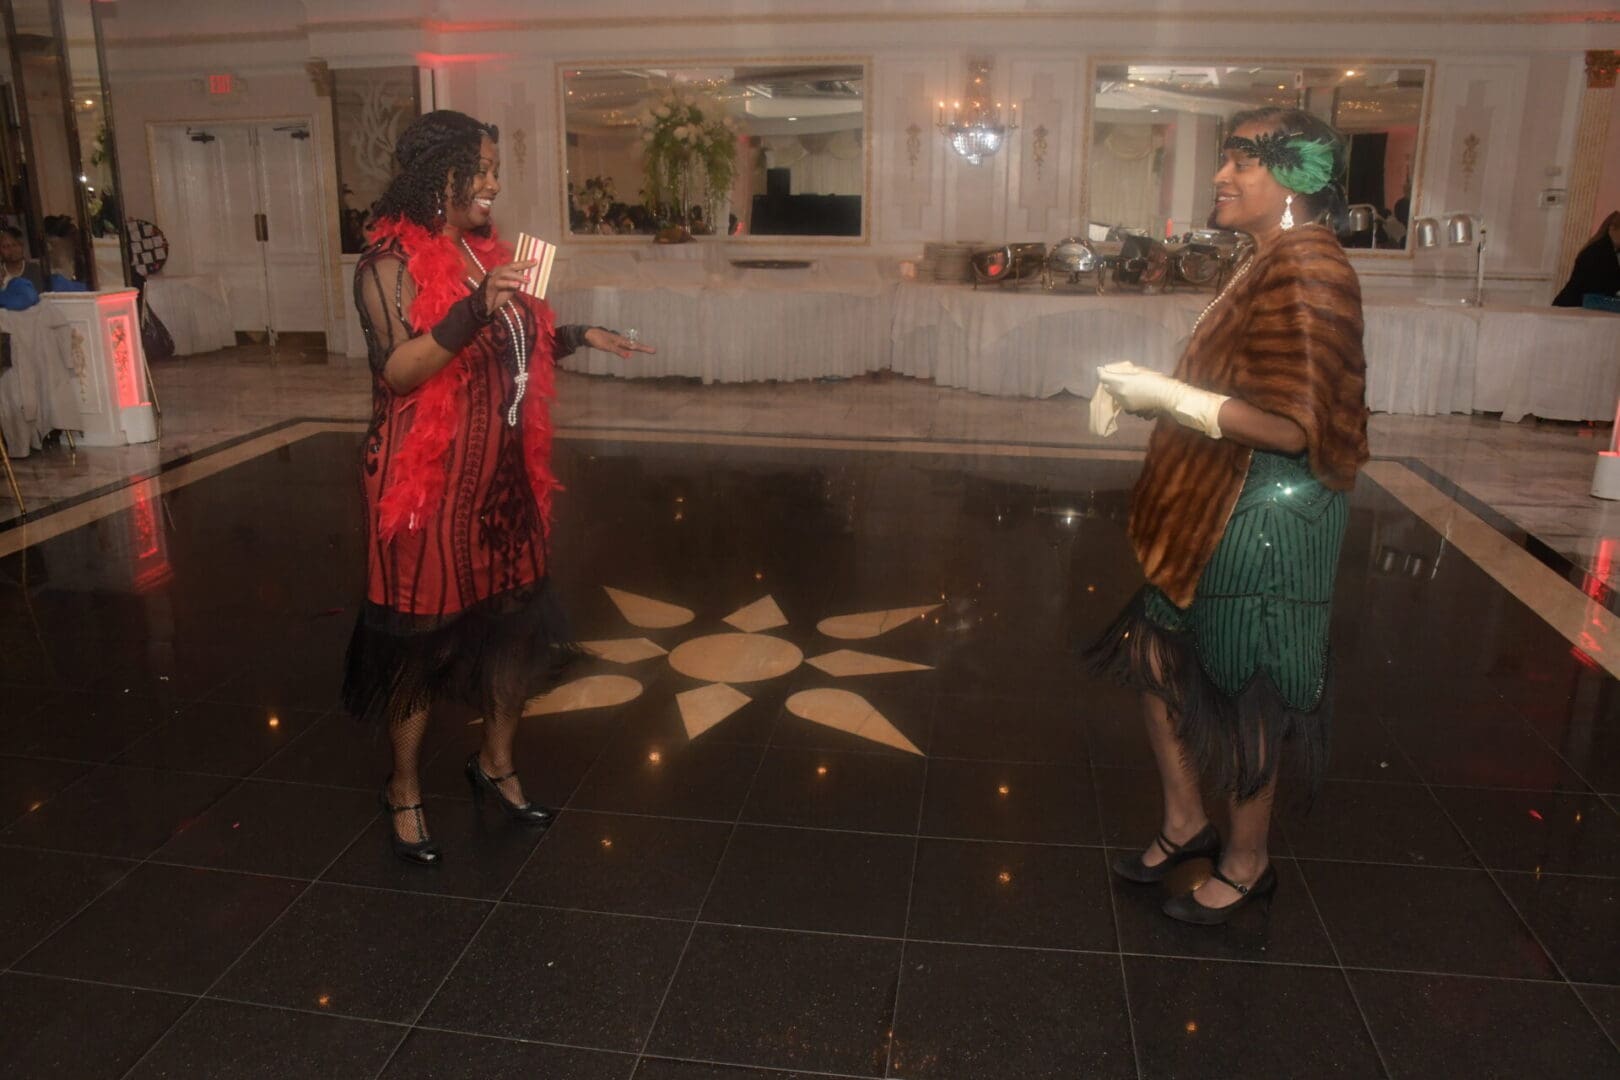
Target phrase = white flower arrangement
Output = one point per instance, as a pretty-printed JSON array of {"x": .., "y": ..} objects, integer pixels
[{"x": 687, "y": 139}]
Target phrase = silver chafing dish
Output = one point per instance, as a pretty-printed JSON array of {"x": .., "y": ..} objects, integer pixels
[
  {"x": 1134, "y": 262},
  {"x": 1205, "y": 258},
  {"x": 1008, "y": 263},
  {"x": 1072, "y": 259}
]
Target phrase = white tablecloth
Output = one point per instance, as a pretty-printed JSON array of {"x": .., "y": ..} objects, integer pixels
[
  {"x": 1422, "y": 359},
  {"x": 1563, "y": 366},
  {"x": 734, "y": 326},
  {"x": 721, "y": 324},
  {"x": 40, "y": 392},
  {"x": 1031, "y": 343},
  {"x": 195, "y": 309}
]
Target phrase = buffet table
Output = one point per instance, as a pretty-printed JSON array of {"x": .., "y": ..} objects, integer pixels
[
  {"x": 1558, "y": 367},
  {"x": 1033, "y": 343},
  {"x": 724, "y": 324},
  {"x": 1423, "y": 358},
  {"x": 735, "y": 325}
]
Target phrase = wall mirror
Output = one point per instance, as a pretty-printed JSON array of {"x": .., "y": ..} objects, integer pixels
[
  {"x": 744, "y": 149},
  {"x": 370, "y": 107},
  {"x": 1157, "y": 129},
  {"x": 56, "y": 153}
]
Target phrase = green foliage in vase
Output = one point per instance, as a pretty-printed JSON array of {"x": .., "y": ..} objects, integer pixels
[{"x": 689, "y": 147}]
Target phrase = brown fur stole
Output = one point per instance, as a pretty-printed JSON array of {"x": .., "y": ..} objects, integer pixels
[{"x": 1285, "y": 339}]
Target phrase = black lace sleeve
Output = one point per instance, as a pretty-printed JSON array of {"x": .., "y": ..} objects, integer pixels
[
  {"x": 383, "y": 293},
  {"x": 568, "y": 340}
]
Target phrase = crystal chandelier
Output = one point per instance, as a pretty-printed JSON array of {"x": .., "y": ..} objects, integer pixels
[{"x": 975, "y": 130}]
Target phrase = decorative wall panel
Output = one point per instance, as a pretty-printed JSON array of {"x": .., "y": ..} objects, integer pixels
[
  {"x": 908, "y": 152},
  {"x": 1042, "y": 183}
]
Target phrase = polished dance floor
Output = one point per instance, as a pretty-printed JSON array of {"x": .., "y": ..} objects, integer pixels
[{"x": 837, "y": 799}]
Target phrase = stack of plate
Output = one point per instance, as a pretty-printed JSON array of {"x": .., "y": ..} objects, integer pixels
[{"x": 948, "y": 264}]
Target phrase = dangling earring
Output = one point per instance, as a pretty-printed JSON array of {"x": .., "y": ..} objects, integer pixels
[
  {"x": 1287, "y": 218},
  {"x": 441, "y": 206}
]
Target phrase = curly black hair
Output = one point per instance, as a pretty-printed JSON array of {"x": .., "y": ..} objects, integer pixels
[
  {"x": 435, "y": 148},
  {"x": 1327, "y": 205}
]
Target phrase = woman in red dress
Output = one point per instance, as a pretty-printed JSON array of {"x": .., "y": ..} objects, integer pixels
[{"x": 457, "y": 470}]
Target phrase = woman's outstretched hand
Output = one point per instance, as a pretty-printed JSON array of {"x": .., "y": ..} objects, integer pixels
[
  {"x": 618, "y": 344},
  {"x": 501, "y": 282}
]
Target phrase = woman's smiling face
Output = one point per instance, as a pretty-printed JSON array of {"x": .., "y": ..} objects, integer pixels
[
  {"x": 1247, "y": 197},
  {"x": 486, "y": 186}
]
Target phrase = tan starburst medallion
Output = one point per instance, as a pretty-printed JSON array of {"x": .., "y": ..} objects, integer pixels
[{"x": 747, "y": 654}]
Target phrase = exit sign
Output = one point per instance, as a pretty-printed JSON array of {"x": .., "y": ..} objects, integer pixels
[{"x": 220, "y": 84}]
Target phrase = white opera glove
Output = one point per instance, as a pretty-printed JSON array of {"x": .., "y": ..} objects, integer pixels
[{"x": 1139, "y": 390}]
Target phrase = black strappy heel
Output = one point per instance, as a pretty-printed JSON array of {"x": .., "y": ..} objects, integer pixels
[
  {"x": 1206, "y": 845},
  {"x": 1187, "y": 909},
  {"x": 423, "y": 852},
  {"x": 481, "y": 783}
]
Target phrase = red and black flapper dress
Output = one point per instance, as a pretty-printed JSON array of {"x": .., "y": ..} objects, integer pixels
[{"x": 457, "y": 606}]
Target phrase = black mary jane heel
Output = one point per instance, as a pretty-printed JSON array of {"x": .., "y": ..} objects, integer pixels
[
  {"x": 1186, "y": 908},
  {"x": 1206, "y": 845},
  {"x": 483, "y": 784},
  {"x": 423, "y": 852}
]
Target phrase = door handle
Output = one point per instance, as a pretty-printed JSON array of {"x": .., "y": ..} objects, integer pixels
[{"x": 261, "y": 228}]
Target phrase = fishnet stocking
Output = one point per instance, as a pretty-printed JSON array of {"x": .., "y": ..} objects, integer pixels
[
  {"x": 405, "y": 785},
  {"x": 495, "y": 757}
]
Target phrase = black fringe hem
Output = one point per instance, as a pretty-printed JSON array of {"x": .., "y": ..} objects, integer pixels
[
  {"x": 491, "y": 658},
  {"x": 1237, "y": 744}
]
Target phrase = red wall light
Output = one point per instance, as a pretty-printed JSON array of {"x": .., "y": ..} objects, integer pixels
[{"x": 220, "y": 84}]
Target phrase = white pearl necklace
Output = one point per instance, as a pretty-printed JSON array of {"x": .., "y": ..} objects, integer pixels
[
  {"x": 520, "y": 342},
  {"x": 1230, "y": 285}
]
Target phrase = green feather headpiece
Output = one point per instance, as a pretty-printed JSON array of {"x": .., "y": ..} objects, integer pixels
[{"x": 1299, "y": 164}]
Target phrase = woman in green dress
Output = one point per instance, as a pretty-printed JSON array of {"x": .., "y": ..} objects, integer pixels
[{"x": 1240, "y": 512}]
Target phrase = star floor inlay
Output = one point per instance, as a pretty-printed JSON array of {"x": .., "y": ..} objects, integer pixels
[{"x": 746, "y": 656}]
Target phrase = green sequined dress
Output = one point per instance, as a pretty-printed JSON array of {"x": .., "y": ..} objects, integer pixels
[{"x": 1245, "y": 666}]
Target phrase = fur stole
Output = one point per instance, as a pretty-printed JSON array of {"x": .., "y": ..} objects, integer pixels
[
  {"x": 1285, "y": 339},
  {"x": 419, "y": 473}
]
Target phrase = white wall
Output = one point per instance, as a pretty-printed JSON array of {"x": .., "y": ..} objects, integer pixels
[{"x": 1507, "y": 72}]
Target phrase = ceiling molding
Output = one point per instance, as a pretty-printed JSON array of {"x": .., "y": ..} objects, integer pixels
[{"x": 429, "y": 25}]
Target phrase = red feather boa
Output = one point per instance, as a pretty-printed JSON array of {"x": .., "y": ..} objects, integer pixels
[{"x": 419, "y": 472}]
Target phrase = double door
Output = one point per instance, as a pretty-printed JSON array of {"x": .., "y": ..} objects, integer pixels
[{"x": 240, "y": 202}]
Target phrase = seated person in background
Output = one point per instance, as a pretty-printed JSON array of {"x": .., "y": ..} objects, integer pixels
[
  {"x": 16, "y": 267},
  {"x": 62, "y": 254},
  {"x": 1597, "y": 267},
  {"x": 14, "y": 260}
]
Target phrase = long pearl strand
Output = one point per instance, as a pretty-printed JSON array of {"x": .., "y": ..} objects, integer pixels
[
  {"x": 1230, "y": 285},
  {"x": 520, "y": 341}
]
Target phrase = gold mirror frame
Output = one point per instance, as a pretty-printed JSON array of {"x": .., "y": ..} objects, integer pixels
[
  {"x": 868, "y": 203},
  {"x": 1409, "y": 248}
]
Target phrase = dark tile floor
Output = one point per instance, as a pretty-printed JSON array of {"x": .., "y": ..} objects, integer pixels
[{"x": 194, "y": 879}]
